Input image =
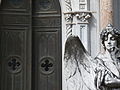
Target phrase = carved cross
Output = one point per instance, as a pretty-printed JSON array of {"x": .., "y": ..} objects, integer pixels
[
  {"x": 46, "y": 65},
  {"x": 13, "y": 64}
]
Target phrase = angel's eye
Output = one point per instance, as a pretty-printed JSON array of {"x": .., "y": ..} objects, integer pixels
[
  {"x": 112, "y": 38},
  {"x": 105, "y": 38}
]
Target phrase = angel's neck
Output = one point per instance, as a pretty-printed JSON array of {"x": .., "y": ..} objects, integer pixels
[{"x": 110, "y": 55}]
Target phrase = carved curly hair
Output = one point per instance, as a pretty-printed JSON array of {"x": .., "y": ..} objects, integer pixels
[{"x": 110, "y": 30}]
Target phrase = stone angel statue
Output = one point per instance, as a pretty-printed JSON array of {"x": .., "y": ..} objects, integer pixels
[{"x": 82, "y": 72}]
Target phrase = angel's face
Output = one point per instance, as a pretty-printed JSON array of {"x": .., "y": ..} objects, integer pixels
[{"x": 110, "y": 42}]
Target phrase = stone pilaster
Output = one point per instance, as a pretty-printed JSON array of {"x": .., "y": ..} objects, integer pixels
[{"x": 106, "y": 13}]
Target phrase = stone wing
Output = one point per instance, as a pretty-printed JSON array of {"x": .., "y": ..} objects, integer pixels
[{"x": 78, "y": 64}]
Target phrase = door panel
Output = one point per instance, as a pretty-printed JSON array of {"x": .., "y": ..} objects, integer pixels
[
  {"x": 15, "y": 45},
  {"x": 47, "y": 45},
  {"x": 46, "y": 61}
]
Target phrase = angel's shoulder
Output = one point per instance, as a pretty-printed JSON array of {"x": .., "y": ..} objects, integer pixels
[{"x": 99, "y": 58}]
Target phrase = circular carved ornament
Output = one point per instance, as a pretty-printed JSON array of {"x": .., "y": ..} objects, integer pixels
[
  {"x": 14, "y": 64},
  {"x": 16, "y": 3},
  {"x": 45, "y": 4},
  {"x": 46, "y": 65}
]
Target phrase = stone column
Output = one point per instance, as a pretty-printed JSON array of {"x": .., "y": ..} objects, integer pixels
[{"x": 106, "y": 13}]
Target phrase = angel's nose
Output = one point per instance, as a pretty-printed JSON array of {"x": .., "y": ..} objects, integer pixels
[{"x": 109, "y": 41}]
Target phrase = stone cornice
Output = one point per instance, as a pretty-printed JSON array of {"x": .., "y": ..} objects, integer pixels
[{"x": 82, "y": 17}]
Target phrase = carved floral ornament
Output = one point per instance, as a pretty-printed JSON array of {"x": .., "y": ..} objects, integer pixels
[
  {"x": 82, "y": 17},
  {"x": 14, "y": 64},
  {"x": 47, "y": 65}
]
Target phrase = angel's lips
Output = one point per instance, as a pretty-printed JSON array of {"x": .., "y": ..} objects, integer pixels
[
  {"x": 111, "y": 49},
  {"x": 109, "y": 45}
]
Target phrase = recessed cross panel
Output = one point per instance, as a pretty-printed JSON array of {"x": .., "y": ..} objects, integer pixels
[
  {"x": 46, "y": 65},
  {"x": 14, "y": 64}
]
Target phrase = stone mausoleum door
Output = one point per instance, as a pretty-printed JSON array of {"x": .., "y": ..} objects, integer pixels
[
  {"x": 46, "y": 45},
  {"x": 30, "y": 45}
]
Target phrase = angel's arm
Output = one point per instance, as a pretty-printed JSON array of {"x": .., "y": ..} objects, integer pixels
[
  {"x": 107, "y": 78},
  {"x": 99, "y": 79}
]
